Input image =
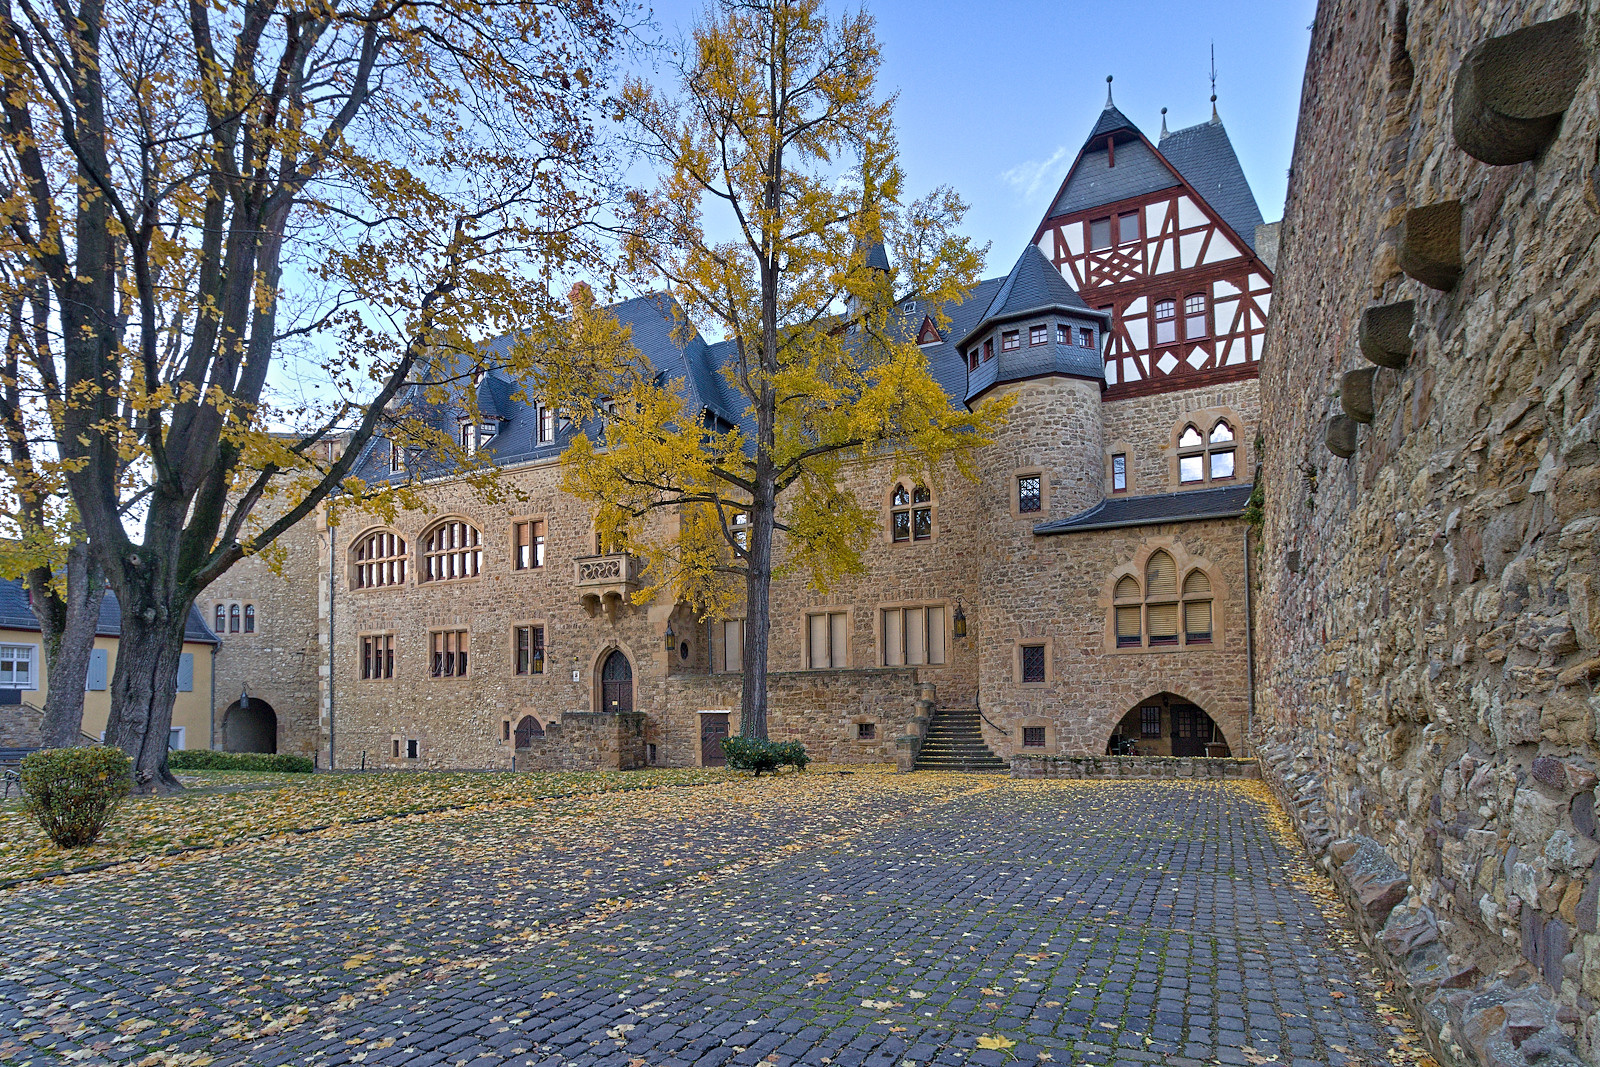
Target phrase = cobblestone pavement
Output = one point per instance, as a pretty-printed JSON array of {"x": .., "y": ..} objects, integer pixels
[{"x": 866, "y": 919}]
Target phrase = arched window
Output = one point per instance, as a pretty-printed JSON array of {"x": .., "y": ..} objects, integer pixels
[
  {"x": 233, "y": 618},
  {"x": 911, "y": 513},
  {"x": 1150, "y": 616},
  {"x": 451, "y": 550},
  {"x": 1130, "y": 613},
  {"x": 1197, "y": 608},
  {"x": 378, "y": 558},
  {"x": 1206, "y": 457},
  {"x": 249, "y": 618},
  {"x": 222, "y": 618},
  {"x": 1166, "y": 322},
  {"x": 527, "y": 730},
  {"x": 1161, "y": 599}
]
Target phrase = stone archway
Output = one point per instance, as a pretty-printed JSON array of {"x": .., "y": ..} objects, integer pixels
[
  {"x": 1167, "y": 724},
  {"x": 250, "y": 727},
  {"x": 529, "y": 729}
]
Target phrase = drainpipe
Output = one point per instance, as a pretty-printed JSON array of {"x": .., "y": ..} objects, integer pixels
[
  {"x": 212, "y": 740},
  {"x": 332, "y": 585},
  {"x": 1249, "y": 639}
]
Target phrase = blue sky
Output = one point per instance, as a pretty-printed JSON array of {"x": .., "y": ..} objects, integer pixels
[{"x": 996, "y": 98}]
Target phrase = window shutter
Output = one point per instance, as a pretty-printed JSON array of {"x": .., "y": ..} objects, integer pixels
[
  {"x": 1196, "y": 584},
  {"x": 1197, "y": 619},
  {"x": 894, "y": 645},
  {"x": 1161, "y": 577},
  {"x": 1163, "y": 622},
  {"x": 1128, "y": 588},
  {"x": 1128, "y": 624},
  {"x": 817, "y": 640},
  {"x": 186, "y": 672},
  {"x": 916, "y": 636},
  {"x": 836, "y": 642},
  {"x": 936, "y": 635},
  {"x": 96, "y": 682},
  {"x": 733, "y": 645}
]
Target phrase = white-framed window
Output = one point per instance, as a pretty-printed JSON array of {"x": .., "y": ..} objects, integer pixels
[
  {"x": 1166, "y": 322},
  {"x": 19, "y": 666},
  {"x": 913, "y": 636},
  {"x": 1194, "y": 315},
  {"x": 547, "y": 424}
]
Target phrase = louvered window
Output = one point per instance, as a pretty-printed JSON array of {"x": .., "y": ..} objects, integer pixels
[
  {"x": 1129, "y": 614},
  {"x": 1161, "y": 613},
  {"x": 1197, "y": 609}
]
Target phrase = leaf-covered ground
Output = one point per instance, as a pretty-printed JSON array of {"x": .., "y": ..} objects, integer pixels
[
  {"x": 819, "y": 919},
  {"x": 226, "y": 807}
]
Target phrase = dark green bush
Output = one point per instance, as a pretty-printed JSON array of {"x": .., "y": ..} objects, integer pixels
[
  {"x": 202, "y": 759},
  {"x": 73, "y": 792},
  {"x": 749, "y": 754}
]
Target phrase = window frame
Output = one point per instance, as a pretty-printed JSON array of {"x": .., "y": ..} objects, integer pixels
[
  {"x": 1038, "y": 334},
  {"x": 867, "y": 731},
  {"x": 719, "y": 646},
  {"x": 1203, "y": 314},
  {"x": 249, "y": 618},
  {"x": 919, "y": 509},
  {"x": 1119, "y": 472},
  {"x": 1034, "y": 737},
  {"x": 1164, "y": 319},
  {"x": 1089, "y": 234},
  {"x": 1030, "y": 500},
  {"x": 380, "y": 643},
  {"x": 1011, "y": 340},
  {"x": 362, "y": 569},
  {"x": 456, "y": 655},
  {"x": 944, "y": 640},
  {"x": 426, "y": 555},
  {"x": 1017, "y": 655},
  {"x": 31, "y": 659},
  {"x": 838, "y": 658},
  {"x": 538, "y": 543},
  {"x": 1195, "y": 582},
  {"x": 1015, "y": 491},
  {"x": 1137, "y": 215},
  {"x": 538, "y": 648},
  {"x": 1208, "y": 449}
]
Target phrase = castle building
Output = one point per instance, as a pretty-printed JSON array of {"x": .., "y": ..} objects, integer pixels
[{"x": 1088, "y": 591}]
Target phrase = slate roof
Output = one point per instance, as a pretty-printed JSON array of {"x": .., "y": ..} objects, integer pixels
[
  {"x": 1034, "y": 285},
  {"x": 652, "y": 321},
  {"x": 15, "y": 614},
  {"x": 1204, "y": 155},
  {"x": 1118, "y": 511}
]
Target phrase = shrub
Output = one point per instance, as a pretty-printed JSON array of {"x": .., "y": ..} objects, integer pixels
[
  {"x": 73, "y": 792},
  {"x": 202, "y": 759},
  {"x": 750, "y": 754}
]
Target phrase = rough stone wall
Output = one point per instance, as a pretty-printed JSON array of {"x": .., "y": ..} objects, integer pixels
[
  {"x": 820, "y": 709},
  {"x": 280, "y": 662},
  {"x": 21, "y": 725},
  {"x": 1146, "y": 429},
  {"x": 1430, "y": 608},
  {"x": 587, "y": 741}
]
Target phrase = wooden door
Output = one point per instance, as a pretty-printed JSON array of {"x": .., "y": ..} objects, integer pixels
[
  {"x": 616, "y": 683},
  {"x": 1191, "y": 729},
  {"x": 713, "y": 731}
]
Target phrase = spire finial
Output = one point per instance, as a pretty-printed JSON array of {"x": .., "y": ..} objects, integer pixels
[
  {"x": 1163, "y": 122},
  {"x": 1214, "y": 82},
  {"x": 1108, "y": 91}
]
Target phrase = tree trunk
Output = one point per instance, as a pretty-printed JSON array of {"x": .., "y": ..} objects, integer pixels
[
  {"x": 758, "y": 619},
  {"x": 67, "y": 629},
  {"x": 145, "y": 684}
]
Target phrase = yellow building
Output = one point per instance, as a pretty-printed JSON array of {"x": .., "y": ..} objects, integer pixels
[{"x": 24, "y": 685}]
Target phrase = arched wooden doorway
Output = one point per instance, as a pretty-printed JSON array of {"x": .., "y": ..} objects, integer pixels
[
  {"x": 1167, "y": 725},
  {"x": 250, "y": 727},
  {"x": 527, "y": 730},
  {"x": 616, "y": 683}
]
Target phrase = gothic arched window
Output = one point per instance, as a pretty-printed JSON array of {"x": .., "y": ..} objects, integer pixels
[
  {"x": 1150, "y": 615},
  {"x": 1207, "y": 457},
  {"x": 911, "y": 512}
]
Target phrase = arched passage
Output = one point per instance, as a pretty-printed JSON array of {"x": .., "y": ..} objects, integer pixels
[
  {"x": 616, "y": 683},
  {"x": 250, "y": 727},
  {"x": 1167, "y": 725},
  {"x": 528, "y": 729}
]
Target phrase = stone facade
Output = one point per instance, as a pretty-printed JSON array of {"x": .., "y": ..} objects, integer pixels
[{"x": 1429, "y": 627}]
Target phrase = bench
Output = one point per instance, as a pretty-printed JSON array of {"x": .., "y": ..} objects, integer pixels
[{"x": 10, "y": 766}]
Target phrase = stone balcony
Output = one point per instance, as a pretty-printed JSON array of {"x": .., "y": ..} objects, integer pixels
[{"x": 606, "y": 583}]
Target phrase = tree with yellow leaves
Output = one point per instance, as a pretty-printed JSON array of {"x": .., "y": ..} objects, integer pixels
[
  {"x": 201, "y": 188},
  {"x": 776, "y": 127}
]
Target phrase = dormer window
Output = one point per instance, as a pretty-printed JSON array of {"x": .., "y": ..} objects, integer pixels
[
  {"x": 547, "y": 424},
  {"x": 973, "y": 357},
  {"x": 1038, "y": 335},
  {"x": 988, "y": 350},
  {"x": 1085, "y": 337},
  {"x": 1010, "y": 340},
  {"x": 1063, "y": 335},
  {"x": 468, "y": 436},
  {"x": 397, "y": 458}
]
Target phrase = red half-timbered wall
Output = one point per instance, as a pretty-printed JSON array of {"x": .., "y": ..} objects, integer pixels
[{"x": 1183, "y": 250}]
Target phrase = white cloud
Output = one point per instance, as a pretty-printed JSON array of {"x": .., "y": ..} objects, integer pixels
[{"x": 1030, "y": 177}]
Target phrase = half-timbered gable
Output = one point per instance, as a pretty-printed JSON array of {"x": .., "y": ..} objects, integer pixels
[{"x": 1163, "y": 238}]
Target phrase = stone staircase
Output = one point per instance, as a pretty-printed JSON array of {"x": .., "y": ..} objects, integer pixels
[{"x": 955, "y": 743}]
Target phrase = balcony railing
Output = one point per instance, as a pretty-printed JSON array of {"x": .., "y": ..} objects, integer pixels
[{"x": 607, "y": 582}]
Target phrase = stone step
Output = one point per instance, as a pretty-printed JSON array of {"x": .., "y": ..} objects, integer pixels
[{"x": 954, "y": 742}]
